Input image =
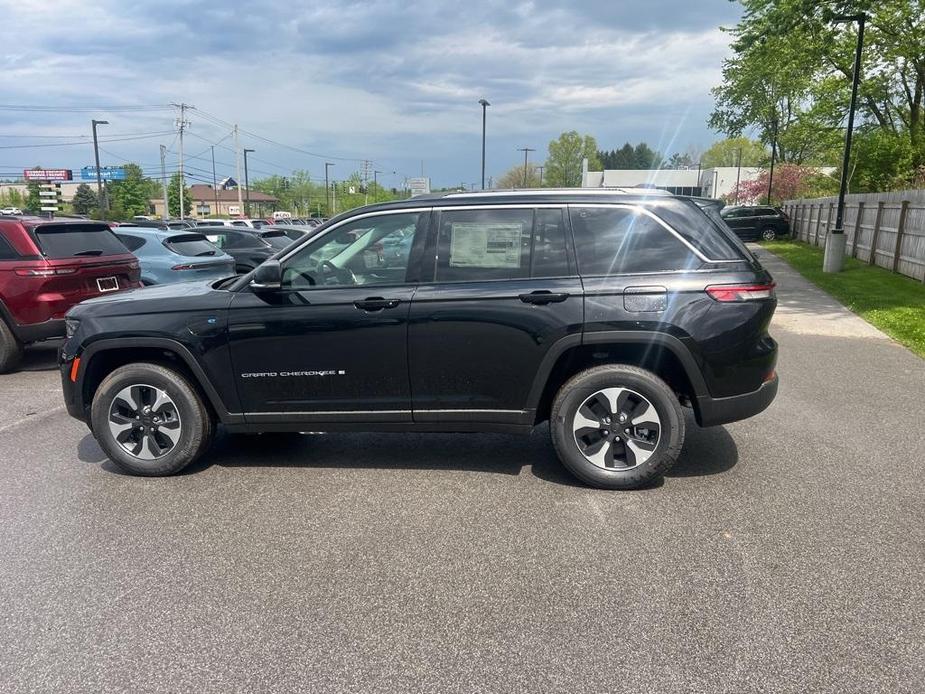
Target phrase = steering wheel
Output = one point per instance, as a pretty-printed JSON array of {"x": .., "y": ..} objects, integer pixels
[{"x": 343, "y": 275}]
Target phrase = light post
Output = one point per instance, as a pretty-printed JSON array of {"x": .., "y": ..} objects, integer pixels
[
  {"x": 834, "y": 258},
  {"x": 485, "y": 106},
  {"x": 738, "y": 175},
  {"x": 526, "y": 151},
  {"x": 327, "y": 189},
  {"x": 100, "y": 196},
  {"x": 247, "y": 188},
  {"x": 773, "y": 155}
]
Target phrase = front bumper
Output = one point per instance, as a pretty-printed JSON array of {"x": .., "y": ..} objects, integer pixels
[
  {"x": 71, "y": 390},
  {"x": 713, "y": 411}
]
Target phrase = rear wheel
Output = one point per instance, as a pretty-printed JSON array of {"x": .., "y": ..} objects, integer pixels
[
  {"x": 617, "y": 427},
  {"x": 150, "y": 420},
  {"x": 10, "y": 348},
  {"x": 769, "y": 233}
]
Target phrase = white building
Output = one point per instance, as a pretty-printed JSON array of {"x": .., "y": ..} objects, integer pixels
[{"x": 710, "y": 183}]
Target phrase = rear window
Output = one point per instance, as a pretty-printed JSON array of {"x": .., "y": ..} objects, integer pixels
[
  {"x": 70, "y": 240},
  {"x": 277, "y": 239},
  {"x": 190, "y": 245}
]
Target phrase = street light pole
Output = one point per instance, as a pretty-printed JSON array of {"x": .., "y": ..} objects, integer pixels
[
  {"x": 773, "y": 155},
  {"x": 834, "y": 258},
  {"x": 485, "y": 106},
  {"x": 738, "y": 175},
  {"x": 100, "y": 197},
  {"x": 247, "y": 188},
  {"x": 327, "y": 189}
]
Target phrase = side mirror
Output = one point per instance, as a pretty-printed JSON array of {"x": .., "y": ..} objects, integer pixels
[{"x": 267, "y": 276}]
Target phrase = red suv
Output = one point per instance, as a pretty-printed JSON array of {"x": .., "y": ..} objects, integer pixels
[{"x": 48, "y": 266}]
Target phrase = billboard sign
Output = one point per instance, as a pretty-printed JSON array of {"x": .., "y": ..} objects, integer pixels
[
  {"x": 48, "y": 174},
  {"x": 419, "y": 186},
  {"x": 107, "y": 173}
]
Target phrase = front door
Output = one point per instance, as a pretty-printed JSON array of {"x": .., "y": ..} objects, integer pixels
[
  {"x": 331, "y": 344},
  {"x": 503, "y": 291}
]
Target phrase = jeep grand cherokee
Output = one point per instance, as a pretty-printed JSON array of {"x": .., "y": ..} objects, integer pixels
[{"x": 601, "y": 312}]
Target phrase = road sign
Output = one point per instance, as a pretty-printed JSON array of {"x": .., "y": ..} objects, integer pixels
[
  {"x": 419, "y": 186},
  {"x": 107, "y": 173},
  {"x": 48, "y": 174},
  {"x": 49, "y": 208}
]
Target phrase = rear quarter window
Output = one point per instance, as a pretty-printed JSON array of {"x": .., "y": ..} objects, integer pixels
[
  {"x": 133, "y": 243},
  {"x": 191, "y": 245},
  {"x": 691, "y": 223},
  {"x": 6, "y": 250},
  {"x": 623, "y": 240},
  {"x": 58, "y": 241}
]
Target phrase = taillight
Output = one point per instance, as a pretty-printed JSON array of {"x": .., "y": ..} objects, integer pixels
[
  {"x": 182, "y": 267},
  {"x": 741, "y": 292},
  {"x": 45, "y": 271}
]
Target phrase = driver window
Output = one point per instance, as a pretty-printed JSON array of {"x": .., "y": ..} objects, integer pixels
[{"x": 369, "y": 251}]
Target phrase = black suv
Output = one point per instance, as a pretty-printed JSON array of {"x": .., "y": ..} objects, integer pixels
[
  {"x": 754, "y": 223},
  {"x": 601, "y": 312}
]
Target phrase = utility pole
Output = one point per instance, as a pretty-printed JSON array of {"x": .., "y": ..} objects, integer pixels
[
  {"x": 100, "y": 198},
  {"x": 376, "y": 183},
  {"x": 247, "y": 188},
  {"x": 181, "y": 124},
  {"x": 739, "y": 175},
  {"x": 526, "y": 151},
  {"x": 834, "y": 258},
  {"x": 214, "y": 181},
  {"x": 237, "y": 166},
  {"x": 334, "y": 197},
  {"x": 327, "y": 188},
  {"x": 485, "y": 106},
  {"x": 164, "y": 181},
  {"x": 541, "y": 170}
]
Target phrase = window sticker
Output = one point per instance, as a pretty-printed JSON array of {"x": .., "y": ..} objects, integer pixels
[{"x": 487, "y": 245}]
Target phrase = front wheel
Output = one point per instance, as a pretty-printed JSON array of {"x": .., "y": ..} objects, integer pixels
[
  {"x": 617, "y": 427},
  {"x": 769, "y": 234},
  {"x": 149, "y": 420},
  {"x": 10, "y": 349}
]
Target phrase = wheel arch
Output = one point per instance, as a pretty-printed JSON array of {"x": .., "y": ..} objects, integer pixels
[
  {"x": 662, "y": 354},
  {"x": 101, "y": 358}
]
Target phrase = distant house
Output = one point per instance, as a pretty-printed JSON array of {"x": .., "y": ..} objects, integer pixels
[{"x": 222, "y": 201}]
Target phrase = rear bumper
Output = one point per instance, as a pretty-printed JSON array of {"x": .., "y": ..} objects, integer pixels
[
  {"x": 35, "y": 332},
  {"x": 714, "y": 411}
]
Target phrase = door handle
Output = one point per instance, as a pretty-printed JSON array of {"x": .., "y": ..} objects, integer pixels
[
  {"x": 543, "y": 296},
  {"x": 376, "y": 303}
]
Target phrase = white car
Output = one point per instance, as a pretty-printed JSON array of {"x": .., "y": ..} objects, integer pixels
[{"x": 10, "y": 210}]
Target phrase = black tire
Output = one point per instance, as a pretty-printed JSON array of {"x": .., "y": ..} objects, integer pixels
[
  {"x": 194, "y": 423},
  {"x": 641, "y": 385},
  {"x": 10, "y": 349},
  {"x": 769, "y": 233}
]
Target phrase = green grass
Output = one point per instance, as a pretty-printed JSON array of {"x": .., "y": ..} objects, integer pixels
[{"x": 893, "y": 303}]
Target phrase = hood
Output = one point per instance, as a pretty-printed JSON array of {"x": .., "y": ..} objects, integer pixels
[{"x": 176, "y": 297}]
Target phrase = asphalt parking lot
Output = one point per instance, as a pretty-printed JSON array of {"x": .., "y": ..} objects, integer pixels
[{"x": 785, "y": 553}]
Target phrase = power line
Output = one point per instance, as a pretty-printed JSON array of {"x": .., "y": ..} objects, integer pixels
[
  {"x": 83, "y": 109},
  {"x": 85, "y": 142}
]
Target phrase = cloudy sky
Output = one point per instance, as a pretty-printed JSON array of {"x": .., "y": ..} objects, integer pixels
[{"x": 389, "y": 81}]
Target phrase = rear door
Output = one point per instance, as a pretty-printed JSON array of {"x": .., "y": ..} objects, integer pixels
[{"x": 503, "y": 288}]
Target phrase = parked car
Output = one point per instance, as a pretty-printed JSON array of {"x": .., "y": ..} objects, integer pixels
[
  {"x": 751, "y": 223},
  {"x": 175, "y": 256},
  {"x": 11, "y": 210},
  {"x": 246, "y": 247},
  {"x": 292, "y": 231},
  {"x": 214, "y": 223},
  {"x": 48, "y": 266},
  {"x": 600, "y": 312}
]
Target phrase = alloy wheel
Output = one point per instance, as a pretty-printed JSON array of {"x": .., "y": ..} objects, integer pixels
[
  {"x": 144, "y": 421},
  {"x": 616, "y": 429},
  {"x": 769, "y": 234}
]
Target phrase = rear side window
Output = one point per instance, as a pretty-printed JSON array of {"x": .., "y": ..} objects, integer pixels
[
  {"x": 475, "y": 245},
  {"x": 190, "y": 245},
  {"x": 620, "y": 241},
  {"x": 689, "y": 221},
  {"x": 133, "y": 243},
  {"x": 70, "y": 240},
  {"x": 6, "y": 251}
]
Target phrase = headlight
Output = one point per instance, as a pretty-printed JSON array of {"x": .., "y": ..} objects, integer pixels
[{"x": 70, "y": 326}]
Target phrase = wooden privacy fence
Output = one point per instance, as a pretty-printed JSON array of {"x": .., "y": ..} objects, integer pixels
[{"x": 885, "y": 229}]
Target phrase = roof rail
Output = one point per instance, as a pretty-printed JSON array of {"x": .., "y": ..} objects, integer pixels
[{"x": 561, "y": 191}]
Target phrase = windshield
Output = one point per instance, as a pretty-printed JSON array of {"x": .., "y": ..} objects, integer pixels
[
  {"x": 191, "y": 245},
  {"x": 74, "y": 240}
]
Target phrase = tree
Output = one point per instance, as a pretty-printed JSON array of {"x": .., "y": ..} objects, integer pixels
[
  {"x": 563, "y": 165},
  {"x": 132, "y": 195},
  {"x": 790, "y": 182},
  {"x": 726, "y": 153},
  {"x": 84, "y": 200},
  {"x": 680, "y": 160},
  {"x": 629, "y": 157},
  {"x": 792, "y": 67},
  {"x": 514, "y": 177},
  {"x": 173, "y": 197}
]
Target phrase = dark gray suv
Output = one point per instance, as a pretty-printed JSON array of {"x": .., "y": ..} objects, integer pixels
[{"x": 754, "y": 223}]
